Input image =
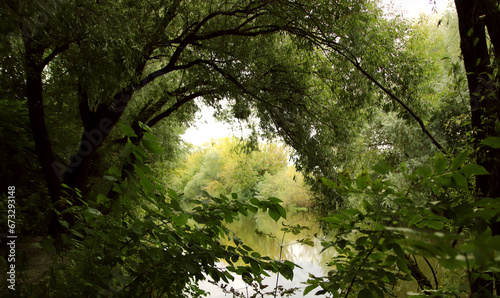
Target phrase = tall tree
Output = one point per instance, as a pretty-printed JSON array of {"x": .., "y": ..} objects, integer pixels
[
  {"x": 141, "y": 62},
  {"x": 102, "y": 55},
  {"x": 479, "y": 24},
  {"x": 112, "y": 58}
]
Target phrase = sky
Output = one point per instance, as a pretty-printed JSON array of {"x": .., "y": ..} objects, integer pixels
[
  {"x": 413, "y": 8},
  {"x": 207, "y": 128}
]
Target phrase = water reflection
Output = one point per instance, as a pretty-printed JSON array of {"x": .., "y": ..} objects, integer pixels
[{"x": 309, "y": 258}]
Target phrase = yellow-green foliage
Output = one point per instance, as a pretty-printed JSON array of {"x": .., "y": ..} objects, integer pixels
[
  {"x": 288, "y": 185},
  {"x": 223, "y": 166}
]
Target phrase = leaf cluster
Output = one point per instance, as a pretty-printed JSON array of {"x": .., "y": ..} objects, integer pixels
[
  {"x": 151, "y": 242},
  {"x": 376, "y": 246}
]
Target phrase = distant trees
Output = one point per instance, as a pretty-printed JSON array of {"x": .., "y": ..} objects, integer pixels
[{"x": 226, "y": 166}]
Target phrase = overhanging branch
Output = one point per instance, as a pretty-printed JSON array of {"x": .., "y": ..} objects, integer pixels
[{"x": 391, "y": 95}]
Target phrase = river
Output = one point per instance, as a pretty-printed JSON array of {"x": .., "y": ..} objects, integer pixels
[
  {"x": 310, "y": 258},
  {"x": 307, "y": 257}
]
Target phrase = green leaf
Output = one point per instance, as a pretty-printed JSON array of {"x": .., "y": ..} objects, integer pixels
[
  {"x": 147, "y": 184},
  {"x": 459, "y": 160},
  {"x": 48, "y": 244},
  {"x": 281, "y": 211},
  {"x": 417, "y": 218},
  {"x": 423, "y": 172},
  {"x": 180, "y": 220},
  {"x": 255, "y": 254},
  {"x": 310, "y": 288},
  {"x": 380, "y": 168},
  {"x": 459, "y": 180},
  {"x": 367, "y": 206},
  {"x": 493, "y": 142},
  {"x": 399, "y": 251},
  {"x": 110, "y": 178},
  {"x": 440, "y": 163},
  {"x": 274, "y": 213},
  {"x": 435, "y": 224},
  {"x": 361, "y": 240},
  {"x": 403, "y": 266},
  {"x": 252, "y": 209},
  {"x": 101, "y": 199},
  {"x": 152, "y": 146},
  {"x": 175, "y": 204},
  {"x": 113, "y": 171},
  {"x": 390, "y": 260},
  {"x": 362, "y": 181},
  {"x": 127, "y": 130},
  {"x": 473, "y": 169},
  {"x": 275, "y": 200},
  {"x": 287, "y": 272},
  {"x": 351, "y": 212},
  {"x": 64, "y": 223},
  {"x": 469, "y": 33},
  {"x": 365, "y": 293},
  {"x": 144, "y": 126},
  {"x": 391, "y": 277},
  {"x": 76, "y": 233},
  {"x": 328, "y": 183},
  {"x": 172, "y": 194},
  {"x": 255, "y": 201}
]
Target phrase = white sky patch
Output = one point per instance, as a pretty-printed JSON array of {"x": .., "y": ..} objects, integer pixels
[
  {"x": 413, "y": 8},
  {"x": 207, "y": 128}
]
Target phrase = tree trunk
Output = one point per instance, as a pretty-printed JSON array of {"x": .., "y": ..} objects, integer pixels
[
  {"x": 97, "y": 127},
  {"x": 34, "y": 94},
  {"x": 475, "y": 17}
]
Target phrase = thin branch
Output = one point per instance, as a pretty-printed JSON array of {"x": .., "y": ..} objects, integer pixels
[
  {"x": 175, "y": 107},
  {"x": 394, "y": 97},
  {"x": 278, "y": 274},
  {"x": 253, "y": 31},
  {"x": 433, "y": 273},
  {"x": 361, "y": 264}
]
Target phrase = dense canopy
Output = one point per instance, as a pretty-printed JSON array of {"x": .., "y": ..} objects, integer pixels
[{"x": 393, "y": 125}]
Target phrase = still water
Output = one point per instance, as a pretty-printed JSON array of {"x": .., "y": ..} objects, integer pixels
[
  {"x": 307, "y": 257},
  {"x": 311, "y": 259}
]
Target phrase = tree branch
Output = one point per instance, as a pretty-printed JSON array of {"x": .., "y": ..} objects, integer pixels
[
  {"x": 393, "y": 97},
  {"x": 55, "y": 52},
  {"x": 175, "y": 107}
]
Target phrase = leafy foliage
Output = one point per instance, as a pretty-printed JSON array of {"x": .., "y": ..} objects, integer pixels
[
  {"x": 224, "y": 166},
  {"x": 377, "y": 246},
  {"x": 289, "y": 185},
  {"x": 151, "y": 243},
  {"x": 338, "y": 81}
]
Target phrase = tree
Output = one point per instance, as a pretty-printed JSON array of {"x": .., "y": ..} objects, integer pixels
[
  {"x": 457, "y": 207},
  {"x": 105, "y": 59},
  {"x": 480, "y": 44},
  {"x": 225, "y": 166},
  {"x": 96, "y": 55},
  {"x": 479, "y": 23},
  {"x": 289, "y": 186}
]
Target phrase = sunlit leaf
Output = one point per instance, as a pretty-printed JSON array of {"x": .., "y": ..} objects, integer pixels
[{"x": 128, "y": 130}]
